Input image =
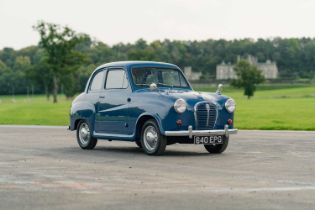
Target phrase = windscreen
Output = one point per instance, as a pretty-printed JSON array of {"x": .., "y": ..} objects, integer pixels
[{"x": 163, "y": 77}]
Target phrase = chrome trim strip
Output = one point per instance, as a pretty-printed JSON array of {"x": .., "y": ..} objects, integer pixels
[
  {"x": 190, "y": 133},
  {"x": 208, "y": 112},
  {"x": 195, "y": 115}
]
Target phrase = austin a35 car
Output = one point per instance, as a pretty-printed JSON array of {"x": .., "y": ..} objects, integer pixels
[{"x": 151, "y": 104}]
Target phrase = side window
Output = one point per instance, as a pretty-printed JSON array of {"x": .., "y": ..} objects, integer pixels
[
  {"x": 116, "y": 79},
  {"x": 97, "y": 81}
]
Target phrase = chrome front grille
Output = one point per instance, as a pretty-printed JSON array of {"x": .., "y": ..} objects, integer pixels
[{"x": 205, "y": 115}]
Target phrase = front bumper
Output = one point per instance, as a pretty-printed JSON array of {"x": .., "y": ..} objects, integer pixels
[{"x": 190, "y": 132}]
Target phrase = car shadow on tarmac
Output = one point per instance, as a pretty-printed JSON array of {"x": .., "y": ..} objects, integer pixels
[
  {"x": 123, "y": 150},
  {"x": 134, "y": 150}
]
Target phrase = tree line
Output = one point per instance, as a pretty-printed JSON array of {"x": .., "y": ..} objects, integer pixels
[{"x": 63, "y": 59}]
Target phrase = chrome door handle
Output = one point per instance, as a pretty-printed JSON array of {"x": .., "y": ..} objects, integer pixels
[{"x": 101, "y": 96}]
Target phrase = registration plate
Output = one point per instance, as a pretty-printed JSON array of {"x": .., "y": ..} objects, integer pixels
[{"x": 208, "y": 139}]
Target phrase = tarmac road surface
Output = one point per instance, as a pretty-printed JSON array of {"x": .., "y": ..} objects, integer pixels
[{"x": 44, "y": 168}]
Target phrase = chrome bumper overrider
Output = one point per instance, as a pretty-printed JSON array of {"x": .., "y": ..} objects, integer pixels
[{"x": 190, "y": 132}]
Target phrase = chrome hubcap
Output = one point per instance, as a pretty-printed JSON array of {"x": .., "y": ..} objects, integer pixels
[
  {"x": 84, "y": 134},
  {"x": 150, "y": 138}
]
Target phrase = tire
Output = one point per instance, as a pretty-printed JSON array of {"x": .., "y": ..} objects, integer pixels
[
  {"x": 152, "y": 141},
  {"x": 219, "y": 148},
  {"x": 84, "y": 136},
  {"x": 138, "y": 143}
]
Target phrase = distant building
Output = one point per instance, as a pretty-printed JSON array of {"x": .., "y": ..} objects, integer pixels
[
  {"x": 225, "y": 71},
  {"x": 191, "y": 76},
  {"x": 269, "y": 69}
]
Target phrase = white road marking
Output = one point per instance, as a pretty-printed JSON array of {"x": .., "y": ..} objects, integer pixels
[{"x": 260, "y": 189}]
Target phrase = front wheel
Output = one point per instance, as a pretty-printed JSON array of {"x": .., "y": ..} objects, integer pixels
[
  {"x": 138, "y": 143},
  {"x": 84, "y": 136},
  {"x": 152, "y": 141},
  {"x": 219, "y": 148}
]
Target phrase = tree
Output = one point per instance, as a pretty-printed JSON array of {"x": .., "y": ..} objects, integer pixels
[
  {"x": 140, "y": 51},
  {"x": 40, "y": 72},
  {"x": 248, "y": 76},
  {"x": 52, "y": 61},
  {"x": 71, "y": 78},
  {"x": 59, "y": 44},
  {"x": 4, "y": 71},
  {"x": 19, "y": 81}
]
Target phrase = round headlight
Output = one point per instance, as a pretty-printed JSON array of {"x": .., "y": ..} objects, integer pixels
[
  {"x": 230, "y": 105},
  {"x": 180, "y": 105}
]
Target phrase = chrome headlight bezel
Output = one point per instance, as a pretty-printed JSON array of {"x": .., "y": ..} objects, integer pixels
[
  {"x": 230, "y": 105},
  {"x": 180, "y": 105}
]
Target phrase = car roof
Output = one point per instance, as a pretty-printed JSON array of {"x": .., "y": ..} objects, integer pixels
[{"x": 137, "y": 63}]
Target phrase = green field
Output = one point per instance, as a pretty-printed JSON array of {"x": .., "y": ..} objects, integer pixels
[
  {"x": 272, "y": 107},
  {"x": 275, "y": 108}
]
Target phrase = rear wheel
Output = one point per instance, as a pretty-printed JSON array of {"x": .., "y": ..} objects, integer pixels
[
  {"x": 219, "y": 148},
  {"x": 152, "y": 141},
  {"x": 84, "y": 136}
]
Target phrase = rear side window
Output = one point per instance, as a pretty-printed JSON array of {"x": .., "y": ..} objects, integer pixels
[
  {"x": 116, "y": 79},
  {"x": 97, "y": 81}
]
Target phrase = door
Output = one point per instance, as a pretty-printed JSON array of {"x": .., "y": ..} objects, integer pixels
[
  {"x": 96, "y": 87},
  {"x": 112, "y": 114}
]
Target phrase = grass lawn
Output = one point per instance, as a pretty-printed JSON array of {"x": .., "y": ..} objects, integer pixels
[
  {"x": 34, "y": 111},
  {"x": 275, "y": 108}
]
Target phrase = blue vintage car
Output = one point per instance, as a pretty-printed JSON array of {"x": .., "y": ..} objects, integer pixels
[{"x": 152, "y": 104}]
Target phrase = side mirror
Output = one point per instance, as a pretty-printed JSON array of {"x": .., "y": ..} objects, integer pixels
[
  {"x": 153, "y": 86},
  {"x": 219, "y": 89}
]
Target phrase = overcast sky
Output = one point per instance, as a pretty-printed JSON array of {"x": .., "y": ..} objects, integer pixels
[{"x": 113, "y": 21}]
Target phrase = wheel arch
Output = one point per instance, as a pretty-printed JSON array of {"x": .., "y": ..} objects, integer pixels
[
  {"x": 140, "y": 122},
  {"x": 76, "y": 123},
  {"x": 81, "y": 111}
]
